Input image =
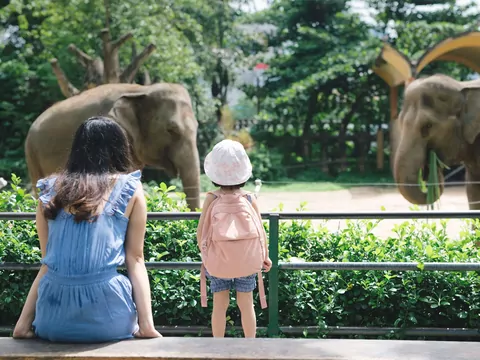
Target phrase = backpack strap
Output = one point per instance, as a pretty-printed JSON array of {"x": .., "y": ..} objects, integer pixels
[
  {"x": 261, "y": 291},
  {"x": 216, "y": 194},
  {"x": 203, "y": 287},
  {"x": 203, "y": 278}
]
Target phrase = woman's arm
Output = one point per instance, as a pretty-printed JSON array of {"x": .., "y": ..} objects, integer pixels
[
  {"x": 23, "y": 328},
  {"x": 134, "y": 259},
  {"x": 206, "y": 205}
]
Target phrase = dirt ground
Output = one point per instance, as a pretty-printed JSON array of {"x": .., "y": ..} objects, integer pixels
[{"x": 363, "y": 199}]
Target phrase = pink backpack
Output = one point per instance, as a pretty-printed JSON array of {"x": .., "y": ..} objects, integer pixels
[{"x": 233, "y": 241}]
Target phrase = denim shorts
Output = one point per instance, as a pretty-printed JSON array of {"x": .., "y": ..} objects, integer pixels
[{"x": 241, "y": 284}]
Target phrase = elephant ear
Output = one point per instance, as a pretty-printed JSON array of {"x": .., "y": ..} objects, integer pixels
[
  {"x": 126, "y": 111},
  {"x": 471, "y": 113}
]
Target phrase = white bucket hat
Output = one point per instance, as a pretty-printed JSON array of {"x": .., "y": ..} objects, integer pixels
[{"x": 228, "y": 164}]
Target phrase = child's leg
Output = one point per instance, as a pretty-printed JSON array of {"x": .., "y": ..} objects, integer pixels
[
  {"x": 247, "y": 310},
  {"x": 245, "y": 287},
  {"x": 221, "y": 300}
]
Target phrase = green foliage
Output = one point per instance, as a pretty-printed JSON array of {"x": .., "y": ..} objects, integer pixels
[
  {"x": 344, "y": 298},
  {"x": 266, "y": 164},
  {"x": 320, "y": 87}
]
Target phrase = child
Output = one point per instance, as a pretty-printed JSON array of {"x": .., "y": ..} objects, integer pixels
[
  {"x": 90, "y": 219},
  {"x": 231, "y": 237}
]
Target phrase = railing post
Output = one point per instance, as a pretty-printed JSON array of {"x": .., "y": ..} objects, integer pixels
[{"x": 273, "y": 326}]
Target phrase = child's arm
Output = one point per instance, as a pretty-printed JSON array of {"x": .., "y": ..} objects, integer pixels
[
  {"x": 267, "y": 263},
  {"x": 206, "y": 204},
  {"x": 23, "y": 328},
  {"x": 134, "y": 259}
]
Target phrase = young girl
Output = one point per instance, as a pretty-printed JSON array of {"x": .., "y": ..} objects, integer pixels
[
  {"x": 90, "y": 219},
  {"x": 229, "y": 168}
]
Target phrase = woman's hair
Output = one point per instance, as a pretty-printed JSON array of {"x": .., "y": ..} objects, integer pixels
[
  {"x": 230, "y": 187},
  {"x": 100, "y": 148}
]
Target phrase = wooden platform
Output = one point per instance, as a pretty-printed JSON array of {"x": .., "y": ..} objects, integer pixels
[{"x": 234, "y": 348}]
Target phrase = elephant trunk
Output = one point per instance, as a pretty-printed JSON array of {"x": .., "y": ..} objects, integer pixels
[
  {"x": 410, "y": 157},
  {"x": 189, "y": 171},
  {"x": 394, "y": 139}
]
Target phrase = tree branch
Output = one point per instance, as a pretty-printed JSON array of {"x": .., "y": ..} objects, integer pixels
[
  {"x": 66, "y": 87},
  {"x": 83, "y": 58},
  {"x": 105, "y": 36},
  {"x": 94, "y": 74},
  {"x": 110, "y": 57},
  {"x": 134, "y": 51},
  {"x": 353, "y": 109},
  {"x": 129, "y": 73},
  {"x": 107, "y": 14},
  {"x": 121, "y": 40},
  {"x": 146, "y": 78}
]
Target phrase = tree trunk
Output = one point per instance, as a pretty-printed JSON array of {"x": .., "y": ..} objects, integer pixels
[
  {"x": 311, "y": 111},
  {"x": 363, "y": 145},
  {"x": 342, "y": 153}
]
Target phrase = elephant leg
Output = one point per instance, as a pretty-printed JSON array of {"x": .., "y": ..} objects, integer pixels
[
  {"x": 33, "y": 166},
  {"x": 473, "y": 195},
  {"x": 473, "y": 190}
]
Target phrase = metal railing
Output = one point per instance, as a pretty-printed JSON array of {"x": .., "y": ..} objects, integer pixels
[{"x": 274, "y": 328}]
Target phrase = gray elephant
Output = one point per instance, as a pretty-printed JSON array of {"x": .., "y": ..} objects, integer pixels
[
  {"x": 440, "y": 114},
  {"x": 158, "y": 119}
]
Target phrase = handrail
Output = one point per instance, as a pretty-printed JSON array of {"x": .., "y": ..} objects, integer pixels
[
  {"x": 303, "y": 215},
  {"x": 320, "y": 265}
]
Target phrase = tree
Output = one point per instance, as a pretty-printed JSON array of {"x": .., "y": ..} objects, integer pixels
[
  {"x": 106, "y": 71},
  {"x": 317, "y": 82},
  {"x": 218, "y": 47},
  {"x": 27, "y": 82}
]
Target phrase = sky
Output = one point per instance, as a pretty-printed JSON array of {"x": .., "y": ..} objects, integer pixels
[{"x": 358, "y": 5}]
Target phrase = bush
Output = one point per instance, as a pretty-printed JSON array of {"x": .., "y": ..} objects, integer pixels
[
  {"x": 266, "y": 165},
  {"x": 343, "y": 298}
]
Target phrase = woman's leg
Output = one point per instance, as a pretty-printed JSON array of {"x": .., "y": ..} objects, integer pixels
[
  {"x": 221, "y": 300},
  {"x": 247, "y": 310}
]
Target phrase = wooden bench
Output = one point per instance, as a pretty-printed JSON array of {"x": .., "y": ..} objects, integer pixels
[{"x": 182, "y": 348}]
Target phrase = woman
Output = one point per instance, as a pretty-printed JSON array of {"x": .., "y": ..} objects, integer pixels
[{"x": 90, "y": 219}]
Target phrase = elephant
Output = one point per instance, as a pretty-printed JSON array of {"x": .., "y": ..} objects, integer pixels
[
  {"x": 158, "y": 120},
  {"x": 441, "y": 114}
]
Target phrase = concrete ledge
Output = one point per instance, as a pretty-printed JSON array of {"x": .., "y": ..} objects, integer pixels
[{"x": 177, "y": 348}]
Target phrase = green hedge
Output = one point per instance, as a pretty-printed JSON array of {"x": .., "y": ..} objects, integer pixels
[{"x": 343, "y": 298}]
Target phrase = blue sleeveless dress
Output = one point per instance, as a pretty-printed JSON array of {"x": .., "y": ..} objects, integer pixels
[{"x": 82, "y": 297}]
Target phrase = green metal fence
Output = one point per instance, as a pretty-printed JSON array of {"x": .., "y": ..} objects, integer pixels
[{"x": 274, "y": 219}]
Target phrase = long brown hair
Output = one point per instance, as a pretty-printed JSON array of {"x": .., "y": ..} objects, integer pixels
[{"x": 100, "y": 148}]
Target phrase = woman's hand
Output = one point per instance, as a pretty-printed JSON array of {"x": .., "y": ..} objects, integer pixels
[
  {"x": 23, "y": 331},
  {"x": 267, "y": 264},
  {"x": 148, "y": 332}
]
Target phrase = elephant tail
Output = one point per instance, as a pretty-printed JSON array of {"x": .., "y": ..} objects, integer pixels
[{"x": 33, "y": 164}]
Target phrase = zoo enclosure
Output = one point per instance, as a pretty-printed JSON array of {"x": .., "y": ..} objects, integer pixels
[{"x": 274, "y": 328}]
